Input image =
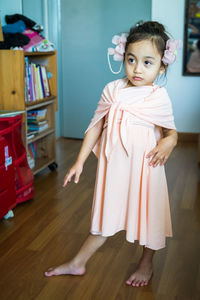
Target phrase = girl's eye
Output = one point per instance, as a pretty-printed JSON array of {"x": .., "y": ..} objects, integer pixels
[
  {"x": 131, "y": 60},
  {"x": 147, "y": 63}
]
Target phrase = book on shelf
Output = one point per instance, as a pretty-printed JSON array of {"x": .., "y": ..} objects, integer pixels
[
  {"x": 31, "y": 154},
  {"x": 42, "y": 82},
  {"x": 36, "y": 115},
  {"x": 36, "y": 82},
  {"x": 37, "y": 128},
  {"x": 27, "y": 80},
  {"x": 31, "y": 161},
  {"x": 30, "y": 135},
  {"x": 36, "y": 121},
  {"x": 32, "y": 150},
  {"x": 32, "y": 83},
  {"x": 45, "y": 81}
]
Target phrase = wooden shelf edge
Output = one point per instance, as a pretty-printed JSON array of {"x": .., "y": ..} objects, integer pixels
[
  {"x": 41, "y": 135},
  {"x": 35, "y": 171},
  {"x": 38, "y": 53},
  {"x": 29, "y": 106}
]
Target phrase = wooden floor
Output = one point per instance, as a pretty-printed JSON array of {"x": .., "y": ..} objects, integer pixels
[{"x": 50, "y": 229}]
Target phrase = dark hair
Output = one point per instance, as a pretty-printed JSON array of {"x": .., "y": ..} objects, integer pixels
[{"x": 150, "y": 30}]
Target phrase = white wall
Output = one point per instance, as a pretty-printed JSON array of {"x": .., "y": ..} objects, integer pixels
[{"x": 183, "y": 90}]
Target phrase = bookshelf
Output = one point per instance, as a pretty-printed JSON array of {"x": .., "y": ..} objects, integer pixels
[{"x": 12, "y": 97}]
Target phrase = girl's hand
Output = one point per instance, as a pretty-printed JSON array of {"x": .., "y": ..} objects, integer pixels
[
  {"x": 162, "y": 151},
  {"x": 76, "y": 170}
]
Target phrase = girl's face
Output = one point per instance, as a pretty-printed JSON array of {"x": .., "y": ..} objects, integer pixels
[{"x": 142, "y": 63}]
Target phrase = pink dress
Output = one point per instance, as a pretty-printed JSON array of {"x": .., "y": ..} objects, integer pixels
[{"x": 129, "y": 194}]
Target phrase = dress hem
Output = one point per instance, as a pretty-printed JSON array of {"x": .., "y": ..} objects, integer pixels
[{"x": 131, "y": 241}]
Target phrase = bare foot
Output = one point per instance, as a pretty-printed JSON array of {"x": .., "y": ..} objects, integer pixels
[
  {"x": 68, "y": 268},
  {"x": 141, "y": 276}
]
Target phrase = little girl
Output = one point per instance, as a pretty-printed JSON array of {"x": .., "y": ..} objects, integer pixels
[{"x": 132, "y": 134}]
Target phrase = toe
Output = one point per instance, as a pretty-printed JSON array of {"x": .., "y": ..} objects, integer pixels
[
  {"x": 137, "y": 283},
  {"x": 50, "y": 269},
  {"x": 142, "y": 283},
  {"x": 49, "y": 272},
  {"x": 134, "y": 283},
  {"x": 130, "y": 279}
]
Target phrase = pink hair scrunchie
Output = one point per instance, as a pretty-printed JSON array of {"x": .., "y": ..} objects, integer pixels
[
  {"x": 118, "y": 51},
  {"x": 171, "y": 50}
]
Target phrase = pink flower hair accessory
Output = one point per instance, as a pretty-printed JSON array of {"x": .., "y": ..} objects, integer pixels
[
  {"x": 118, "y": 51},
  {"x": 170, "y": 53}
]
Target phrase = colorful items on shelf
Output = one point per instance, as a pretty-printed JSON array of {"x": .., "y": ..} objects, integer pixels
[
  {"x": 37, "y": 126},
  {"x": 43, "y": 46},
  {"x": 36, "y": 115},
  {"x": 36, "y": 122},
  {"x": 36, "y": 82},
  {"x": 31, "y": 154},
  {"x": 23, "y": 33},
  {"x": 15, "y": 81}
]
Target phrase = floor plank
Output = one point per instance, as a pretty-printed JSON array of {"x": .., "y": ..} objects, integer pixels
[{"x": 49, "y": 230}]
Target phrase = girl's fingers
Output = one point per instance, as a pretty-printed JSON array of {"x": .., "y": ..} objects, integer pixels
[
  {"x": 152, "y": 152},
  {"x": 68, "y": 178},
  {"x": 76, "y": 180},
  {"x": 164, "y": 161},
  {"x": 160, "y": 161},
  {"x": 76, "y": 177},
  {"x": 157, "y": 159},
  {"x": 65, "y": 182},
  {"x": 153, "y": 159}
]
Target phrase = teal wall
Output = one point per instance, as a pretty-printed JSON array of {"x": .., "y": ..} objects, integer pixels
[
  {"x": 87, "y": 29},
  {"x": 9, "y": 7},
  {"x": 33, "y": 10}
]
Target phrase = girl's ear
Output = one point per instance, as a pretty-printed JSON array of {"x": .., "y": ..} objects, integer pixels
[{"x": 162, "y": 69}]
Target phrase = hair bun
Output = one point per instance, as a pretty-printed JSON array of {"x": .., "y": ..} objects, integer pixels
[
  {"x": 153, "y": 26},
  {"x": 157, "y": 25}
]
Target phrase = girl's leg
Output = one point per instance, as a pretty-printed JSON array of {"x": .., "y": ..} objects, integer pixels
[
  {"x": 144, "y": 270},
  {"x": 77, "y": 265}
]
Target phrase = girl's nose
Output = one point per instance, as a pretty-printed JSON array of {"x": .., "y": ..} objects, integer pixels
[{"x": 138, "y": 67}]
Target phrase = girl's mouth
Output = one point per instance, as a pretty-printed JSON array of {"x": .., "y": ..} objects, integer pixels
[{"x": 137, "y": 78}]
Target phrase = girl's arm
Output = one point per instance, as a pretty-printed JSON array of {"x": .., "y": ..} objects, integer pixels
[
  {"x": 164, "y": 147},
  {"x": 89, "y": 141}
]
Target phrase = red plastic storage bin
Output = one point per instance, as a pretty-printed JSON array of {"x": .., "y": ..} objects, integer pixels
[
  {"x": 7, "y": 179},
  {"x": 10, "y": 129}
]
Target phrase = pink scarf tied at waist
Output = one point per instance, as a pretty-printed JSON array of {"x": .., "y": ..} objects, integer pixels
[{"x": 155, "y": 109}]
